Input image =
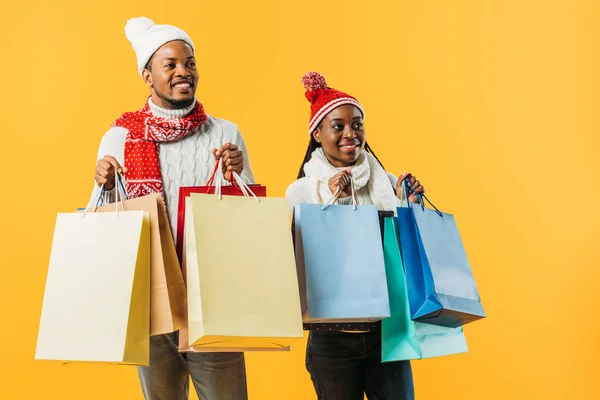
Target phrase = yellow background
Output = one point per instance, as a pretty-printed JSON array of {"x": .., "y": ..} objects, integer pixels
[{"x": 492, "y": 104}]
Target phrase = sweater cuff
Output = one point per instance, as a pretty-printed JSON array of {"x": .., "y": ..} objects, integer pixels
[
  {"x": 109, "y": 196},
  {"x": 345, "y": 201}
]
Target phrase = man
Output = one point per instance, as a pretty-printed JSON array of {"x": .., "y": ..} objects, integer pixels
[{"x": 165, "y": 145}]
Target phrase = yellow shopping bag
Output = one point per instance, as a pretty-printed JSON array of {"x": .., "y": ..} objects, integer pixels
[
  {"x": 241, "y": 272},
  {"x": 96, "y": 304},
  {"x": 184, "y": 342}
]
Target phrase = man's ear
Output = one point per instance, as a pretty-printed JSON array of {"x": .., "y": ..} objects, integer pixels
[{"x": 147, "y": 76}]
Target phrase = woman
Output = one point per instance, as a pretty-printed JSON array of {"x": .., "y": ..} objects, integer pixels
[{"x": 346, "y": 365}]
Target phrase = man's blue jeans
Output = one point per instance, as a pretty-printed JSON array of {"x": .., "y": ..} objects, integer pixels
[{"x": 216, "y": 376}]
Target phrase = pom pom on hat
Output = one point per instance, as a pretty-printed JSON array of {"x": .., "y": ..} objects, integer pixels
[
  {"x": 313, "y": 81},
  {"x": 324, "y": 99},
  {"x": 146, "y": 37},
  {"x": 137, "y": 26}
]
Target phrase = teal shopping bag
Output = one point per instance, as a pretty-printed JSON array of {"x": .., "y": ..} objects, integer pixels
[{"x": 402, "y": 338}]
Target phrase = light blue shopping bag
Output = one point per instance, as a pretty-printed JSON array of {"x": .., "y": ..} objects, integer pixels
[{"x": 339, "y": 256}]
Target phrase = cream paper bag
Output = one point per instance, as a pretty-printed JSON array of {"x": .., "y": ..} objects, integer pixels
[{"x": 96, "y": 304}]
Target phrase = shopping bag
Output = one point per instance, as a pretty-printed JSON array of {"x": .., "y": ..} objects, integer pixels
[
  {"x": 402, "y": 338},
  {"x": 240, "y": 272},
  {"x": 96, "y": 305},
  {"x": 340, "y": 263},
  {"x": 184, "y": 342},
  {"x": 441, "y": 286},
  {"x": 186, "y": 191},
  {"x": 358, "y": 326},
  {"x": 167, "y": 288}
]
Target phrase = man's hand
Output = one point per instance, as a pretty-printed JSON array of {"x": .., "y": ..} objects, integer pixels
[
  {"x": 105, "y": 172},
  {"x": 233, "y": 159}
]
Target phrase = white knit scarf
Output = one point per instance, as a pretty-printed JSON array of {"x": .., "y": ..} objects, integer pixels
[{"x": 365, "y": 172}]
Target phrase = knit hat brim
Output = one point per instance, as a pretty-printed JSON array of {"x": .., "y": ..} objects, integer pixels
[{"x": 327, "y": 108}]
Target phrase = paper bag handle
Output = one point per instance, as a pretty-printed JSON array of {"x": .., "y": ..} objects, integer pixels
[
  {"x": 420, "y": 197},
  {"x": 217, "y": 179},
  {"x": 98, "y": 199},
  {"x": 337, "y": 194}
]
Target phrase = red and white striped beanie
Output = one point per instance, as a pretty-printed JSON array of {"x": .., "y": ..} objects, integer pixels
[{"x": 324, "y": 99}]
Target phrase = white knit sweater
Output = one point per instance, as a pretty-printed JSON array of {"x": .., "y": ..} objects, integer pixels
[{"x": 186, "y": 162}]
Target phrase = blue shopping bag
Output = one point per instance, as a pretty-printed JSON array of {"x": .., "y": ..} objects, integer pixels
[
  {"x": 340, "y": 264},
  {"x": 402, "y": 338},
  {"x": 441, "y": 286}
]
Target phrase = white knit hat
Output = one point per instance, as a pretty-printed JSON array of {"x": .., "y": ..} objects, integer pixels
[{"x": 147, "y": 37}]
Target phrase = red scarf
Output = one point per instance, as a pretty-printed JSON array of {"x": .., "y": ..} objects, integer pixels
[{"x": 145, "y": 132}]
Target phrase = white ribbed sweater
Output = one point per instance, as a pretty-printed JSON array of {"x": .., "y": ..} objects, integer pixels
[{"x": 185, "y": 162}]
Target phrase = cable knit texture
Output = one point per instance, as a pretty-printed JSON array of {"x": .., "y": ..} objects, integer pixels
[
  {"x": 372, "y": 185},
  {"x": 185, "y": 162}
]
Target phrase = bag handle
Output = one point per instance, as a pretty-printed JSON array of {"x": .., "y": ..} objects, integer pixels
[
  {"x": 217, "y": 178},
  {"x": 420, "y": 197},
  {"x": 99, "y": 197},
  {"x": 337, "y": 194},
  {"x": 124, "y": 192}
]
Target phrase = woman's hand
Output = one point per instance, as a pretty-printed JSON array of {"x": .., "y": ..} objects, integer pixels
[
  {"x": 413, "y": 190},
  {"x": 342, "y": 181}
]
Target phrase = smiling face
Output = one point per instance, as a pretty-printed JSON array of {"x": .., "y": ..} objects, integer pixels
[
  {"x": 172, "y": 76},
  {"x": 342, "y": 135}
]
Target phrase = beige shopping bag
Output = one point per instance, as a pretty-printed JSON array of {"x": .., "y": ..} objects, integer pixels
[
  {"x": 184, "y": 343},
  {"x": 167, "y": 288},
  {"x": 241, "y": 273},
  {"x": 96, "y": 304}
]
